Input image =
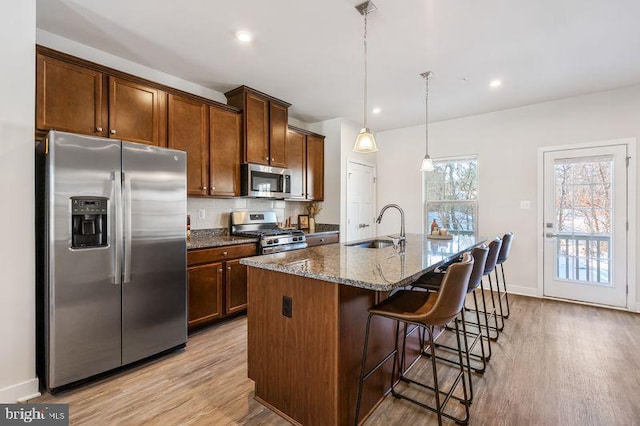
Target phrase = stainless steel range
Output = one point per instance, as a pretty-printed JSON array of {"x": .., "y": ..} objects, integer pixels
[{"x": 264, "y": 225}]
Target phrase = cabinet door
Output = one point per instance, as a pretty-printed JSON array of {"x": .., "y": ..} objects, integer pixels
[
  {"x": 205, "y": 293},
  {"x": 278, "y": 118},
  {"x": 69, "y": 97},
  {"x": 257, "y": 128},
  {"x": 137, "y": 113},
  {"x": 315, "y": 168},
  {"x": 188, "y": 131},
  {"x": 296, "y": 156},
  {"x": 236, "y": 286},
  {"x": 225, "y": 152}
]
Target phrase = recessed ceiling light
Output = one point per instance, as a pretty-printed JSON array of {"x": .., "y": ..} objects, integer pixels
[
  {"x": 376, "y": 110},
  {"x": 495, "y": 83},
  {"x": 244, "y": 36}
]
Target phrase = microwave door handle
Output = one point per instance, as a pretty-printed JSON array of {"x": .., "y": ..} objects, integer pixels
[
  {"x": 115, "y": 213},
  {"x": 126, "y": 272}
]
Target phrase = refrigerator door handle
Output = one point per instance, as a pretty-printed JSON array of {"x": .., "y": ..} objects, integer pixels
[
  {"x": 116, "y": 226},
  {"x": 126, "y": 273}
]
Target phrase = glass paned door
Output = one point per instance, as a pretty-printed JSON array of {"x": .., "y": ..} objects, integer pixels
[{"x": 585, "y": 225}]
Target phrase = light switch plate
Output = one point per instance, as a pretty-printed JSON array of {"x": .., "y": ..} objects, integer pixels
[
  {"x": 201, "y": 213},
  {"x": 525, "y": 204}
]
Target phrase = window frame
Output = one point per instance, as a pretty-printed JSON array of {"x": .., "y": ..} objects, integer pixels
[{"x": 475, "y": 203}]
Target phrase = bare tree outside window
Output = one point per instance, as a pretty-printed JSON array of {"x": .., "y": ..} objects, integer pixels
[
  {"x": 451, "y": 195},
  {"x": 583, "y": 218}
]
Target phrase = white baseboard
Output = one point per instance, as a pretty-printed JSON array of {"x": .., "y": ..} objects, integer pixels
[
  {"x": 523, "y": 291},
  {"x": 19, "y": 392}
]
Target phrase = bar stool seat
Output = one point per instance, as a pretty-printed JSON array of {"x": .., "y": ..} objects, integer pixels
[{"x": 426, "y": 310}]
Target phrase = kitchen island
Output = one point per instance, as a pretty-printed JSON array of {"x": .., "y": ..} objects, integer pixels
[{"x": 307, "y": 312}]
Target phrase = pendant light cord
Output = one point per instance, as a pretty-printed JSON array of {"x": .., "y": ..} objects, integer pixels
[
  {"x": 426, "y": 114},
  {"x": 365, "y": 67}
]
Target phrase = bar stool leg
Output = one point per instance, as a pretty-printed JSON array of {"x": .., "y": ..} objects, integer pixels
[
  {"x": 466, "y": 400},
  {"x": 466, "y": 352},
  {"x": 434, "y": 367},
  {"x": 485, "y": 358},
  {"x": 487, "y": 315},
  {"x": 506, "y": 294},
  {"x": 493, "y": 302}
]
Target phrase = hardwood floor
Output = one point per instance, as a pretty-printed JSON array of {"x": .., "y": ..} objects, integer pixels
[{"x": 555, "y": 364}]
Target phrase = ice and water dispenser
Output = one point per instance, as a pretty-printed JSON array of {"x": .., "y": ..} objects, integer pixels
[{"x": 88, "y": 222}]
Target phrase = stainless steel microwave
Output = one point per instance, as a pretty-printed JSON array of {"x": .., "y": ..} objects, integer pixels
[{"x": 265, "y": 181}]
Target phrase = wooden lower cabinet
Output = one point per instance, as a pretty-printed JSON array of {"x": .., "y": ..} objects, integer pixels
[
  {"x": 236, "y": 286},
  {"x": 205, "y": 293},
  {"x": 217, "y": 283}
]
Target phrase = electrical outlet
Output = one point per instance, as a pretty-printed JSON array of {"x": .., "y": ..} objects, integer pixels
[
  {"x": 201, "y": 213},
  {"x": 525, "y": 204},
  {"x": 287, "y": 306}
]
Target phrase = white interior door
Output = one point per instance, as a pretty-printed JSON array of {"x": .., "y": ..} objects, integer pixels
[
  {"x": 360, "y": 201},
  {"x": 585, "y": 224}
]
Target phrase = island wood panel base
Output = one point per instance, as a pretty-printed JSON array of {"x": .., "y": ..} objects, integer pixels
[{"x": 307, "y": 367}]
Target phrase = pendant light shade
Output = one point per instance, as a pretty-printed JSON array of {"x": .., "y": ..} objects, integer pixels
[
  {"x": 365, "y": 141},
  {"x": 427, "y": 163}
]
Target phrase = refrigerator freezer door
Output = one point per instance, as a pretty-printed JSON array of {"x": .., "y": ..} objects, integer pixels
[
  {"x": 82, "y": 321},
  {"x": 154, "y": 263}
]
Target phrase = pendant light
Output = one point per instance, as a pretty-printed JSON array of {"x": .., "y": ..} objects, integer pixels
[
  {"x": 427, "y": 163},
  {"x": 365, "y": 142}
]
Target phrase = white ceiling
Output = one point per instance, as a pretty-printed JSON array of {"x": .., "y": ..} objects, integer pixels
[{"x": 310, "y": 53}]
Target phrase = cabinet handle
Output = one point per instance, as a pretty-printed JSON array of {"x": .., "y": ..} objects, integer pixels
[
  {"x": 204, "y": 188},
  {"x": 267, "y": 158},
  {"x": 228, "y": 268},
  {"x": 224, "y": 253},
  {"x": 220, "y": 271},
  {"x": 112, "y": 131},
  {"x": 98, "y": 129},
  {"x": 321, "y": 240},
  {"x": 213, "y": 188}
]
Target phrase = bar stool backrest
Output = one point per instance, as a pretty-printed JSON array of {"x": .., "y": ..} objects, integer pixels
[
  {"x": 492, "y": 257},
  {"x": 450, "y": 297},
  {"x": 506, "y": 248},
  {"x": 479, "y": 254}
]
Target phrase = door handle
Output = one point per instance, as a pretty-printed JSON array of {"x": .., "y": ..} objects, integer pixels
[
  {"x": 363, "y": 225},
  {"x": 550, "y": 235},
  {"x": 116, "y": 226},
  {"x": 126, "y": 269}
]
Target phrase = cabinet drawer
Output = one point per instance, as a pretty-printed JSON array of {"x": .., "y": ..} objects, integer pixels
[
  {"x": 318, "y": 240},
  {"x": 218, "y": 254}
]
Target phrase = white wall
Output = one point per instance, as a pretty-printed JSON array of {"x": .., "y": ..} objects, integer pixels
[
  {"x": 507, "y": 143},
  {"x": 17, "y": 251}
]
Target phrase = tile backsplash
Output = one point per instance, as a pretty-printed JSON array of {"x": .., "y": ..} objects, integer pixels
[{"x": 216, "y": 210}]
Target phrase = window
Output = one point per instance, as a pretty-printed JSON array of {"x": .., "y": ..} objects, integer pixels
[{"x": 451, "y": 195}]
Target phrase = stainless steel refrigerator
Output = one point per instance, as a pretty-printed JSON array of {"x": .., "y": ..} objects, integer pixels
[{"x": 114, "y": 278}]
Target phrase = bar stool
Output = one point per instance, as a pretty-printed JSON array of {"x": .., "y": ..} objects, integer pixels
[
  {"x": 502, "y": 257},
  {"x": 432, "y": 281},
  {"x": 425, "y": 310},
  {"x": 490, "y": 266}
]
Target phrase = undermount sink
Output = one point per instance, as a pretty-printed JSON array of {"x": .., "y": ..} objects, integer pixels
[{"x": 374, "y": 244}]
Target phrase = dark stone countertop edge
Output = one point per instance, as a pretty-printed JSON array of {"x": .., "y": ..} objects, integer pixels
[{"x": 218, "y": 241}]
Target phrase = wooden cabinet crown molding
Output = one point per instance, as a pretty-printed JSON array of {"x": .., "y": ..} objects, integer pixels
[
  {"x": 51, "y": 53},
  {"x": 247, "y": 89}
]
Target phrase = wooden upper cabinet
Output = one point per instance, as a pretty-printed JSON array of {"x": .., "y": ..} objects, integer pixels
[
  {"x": 264, "y": 124},
  {"x": 69, "y": 97},
  {"x": 297, "y": 159},
  {"x": 137, "y": 113},
  {"x": 257, "y": 129},
  {"x": 225, "y": 154},
  {"x": 315, "y": 167},
  {"x": 189, "y": 131},
  {"x": 278, "y": 118}
]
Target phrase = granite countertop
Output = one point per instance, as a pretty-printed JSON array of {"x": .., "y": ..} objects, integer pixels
[
  {"x": 381, "y": 269},
  {"x": 208, "y": 238}
]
